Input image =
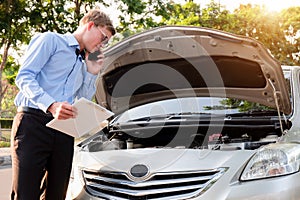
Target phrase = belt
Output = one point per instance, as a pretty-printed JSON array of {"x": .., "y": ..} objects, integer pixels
[{"x": 30, "y": 110}]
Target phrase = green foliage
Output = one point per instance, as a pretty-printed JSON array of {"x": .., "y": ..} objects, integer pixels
[
  {"x": 6, "y": 123},
  {"x": 5, "y": 138},
  {"x": 243, "y": 106},
  {"x": 10, "y": 70},
  {"x": 20, "y": 19},
  {"x": 135, "y": 7},
  {"x": 15, "y": 31},
  {"x": 215, "y": 16},
  {"x": 257, "y": 22},
  {"x": 13, "y": 22},
  {"x": 7, "y": 105},
  {"x": 4, "y": 144},
  {"x": 57, "y": 15},
  {"x": 211, "y": 16},
  {"x": 270, "y": 28},
  {"x": 140, "y": 15},
  {"x": 42, "y": 10},
  {"x": 240, "y": 105},
  {"x": 289, "y": 20},
  {"x": 187, "y": 14}
]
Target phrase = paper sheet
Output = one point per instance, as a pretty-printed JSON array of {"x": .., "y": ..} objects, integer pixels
[{"x": 89, "y": 117}]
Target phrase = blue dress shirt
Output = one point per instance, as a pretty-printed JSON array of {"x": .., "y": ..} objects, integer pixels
[{"x": 53, "y": 72}]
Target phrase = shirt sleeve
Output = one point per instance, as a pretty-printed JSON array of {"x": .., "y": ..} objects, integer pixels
[
  {"x": 88, "y": 87},
  {"x": 38, "y": 53}
]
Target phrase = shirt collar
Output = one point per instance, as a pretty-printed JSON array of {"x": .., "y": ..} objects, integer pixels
[{"x": 71, "y": 40}]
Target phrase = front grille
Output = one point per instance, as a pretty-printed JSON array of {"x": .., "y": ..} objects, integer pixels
[{"x": 159, "y": 186}]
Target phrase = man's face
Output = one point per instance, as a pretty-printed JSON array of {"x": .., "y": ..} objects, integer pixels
[{"x": 99, "y": 37}]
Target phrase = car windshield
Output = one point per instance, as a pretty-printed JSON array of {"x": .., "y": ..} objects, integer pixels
[{"x": 198, "y": 105}]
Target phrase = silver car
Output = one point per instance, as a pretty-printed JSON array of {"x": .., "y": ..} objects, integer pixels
[{"x": 199, "y": 114}]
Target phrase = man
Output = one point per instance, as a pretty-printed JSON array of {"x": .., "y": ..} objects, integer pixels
[{"x": 52, "y": 76}]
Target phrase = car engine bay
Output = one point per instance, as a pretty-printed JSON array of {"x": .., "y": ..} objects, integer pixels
[{"x": 193, "y": 132}]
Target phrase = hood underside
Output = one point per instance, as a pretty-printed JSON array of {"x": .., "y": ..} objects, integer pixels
[{"x": 184, "y": 61}]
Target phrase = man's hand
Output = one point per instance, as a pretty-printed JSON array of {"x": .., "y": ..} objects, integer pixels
[
  {"x": 62, "y": 110},
  {"x": 94, "y": 62}
]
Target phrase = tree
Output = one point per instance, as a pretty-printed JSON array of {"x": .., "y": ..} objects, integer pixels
[
  {"x": 216, "y": 16},
  {"x": 212, "y": 15},
  {"x": 270, "y": 28},
  {"x": 14, "y": 31},
  {"x": 138, "y": 15},
  {"x": 187, "y": 14},
  {"x": 20, "y": 19},
  {"x": 257, "y": 22},
  {"x": 289, "y": 20},
  {"x": 57, "y": 15}
]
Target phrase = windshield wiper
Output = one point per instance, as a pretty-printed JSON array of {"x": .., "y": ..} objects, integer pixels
[{"x": 171, "y": 116}]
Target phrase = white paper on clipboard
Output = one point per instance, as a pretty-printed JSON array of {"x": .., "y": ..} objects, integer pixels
[{"x": 89, "y": 117}]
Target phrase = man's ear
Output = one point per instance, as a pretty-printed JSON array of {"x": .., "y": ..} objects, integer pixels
[{"x": 90, "y": 25}]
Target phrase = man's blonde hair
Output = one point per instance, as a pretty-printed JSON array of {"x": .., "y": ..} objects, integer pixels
[{"x": 99, "y": 18}]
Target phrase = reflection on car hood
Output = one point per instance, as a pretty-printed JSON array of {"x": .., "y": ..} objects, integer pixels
[
  {"x": 174, "y": 159},
  {"x": 184, "y": 61}
]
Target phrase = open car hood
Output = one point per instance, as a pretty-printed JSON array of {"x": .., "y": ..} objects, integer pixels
[{"x": 185, "y": 61}]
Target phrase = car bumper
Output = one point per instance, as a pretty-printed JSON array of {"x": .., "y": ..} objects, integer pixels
[
  {"x": 285, "y": 187},
  {"x": 227, "y": 186}
]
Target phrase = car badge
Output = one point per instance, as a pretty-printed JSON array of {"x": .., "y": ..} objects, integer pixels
[{"x": 139, "y": 171}]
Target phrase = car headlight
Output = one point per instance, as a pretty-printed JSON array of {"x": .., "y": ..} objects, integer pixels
[{"x": 273, "y": 160}]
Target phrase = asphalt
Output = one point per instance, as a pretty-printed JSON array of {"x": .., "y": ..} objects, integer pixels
[{"x": 5, "y": 156}]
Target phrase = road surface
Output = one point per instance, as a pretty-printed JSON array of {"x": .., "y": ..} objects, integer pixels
[{"x": 5, "y": 182}]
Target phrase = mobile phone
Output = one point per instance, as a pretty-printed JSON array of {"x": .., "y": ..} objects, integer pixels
[{"x": 94, "y": 55}]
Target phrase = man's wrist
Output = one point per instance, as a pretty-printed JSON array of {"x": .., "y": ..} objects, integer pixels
[{"x": 49, "y": 109}]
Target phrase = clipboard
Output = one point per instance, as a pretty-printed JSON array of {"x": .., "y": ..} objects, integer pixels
[{"x": 89, "y": 117}]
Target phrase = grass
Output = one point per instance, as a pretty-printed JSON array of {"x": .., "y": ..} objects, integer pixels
[{"x": 5, "y": 138}]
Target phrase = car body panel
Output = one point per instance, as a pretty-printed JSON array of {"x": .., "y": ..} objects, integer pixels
[
  {"x": 208, "y": 61},
  {"x": 175, "y": 159}
]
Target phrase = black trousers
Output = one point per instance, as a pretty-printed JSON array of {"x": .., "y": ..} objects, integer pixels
[{"x": 41, "y": 158}]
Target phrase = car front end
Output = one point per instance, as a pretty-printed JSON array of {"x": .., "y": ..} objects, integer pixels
[{"x": 199, "y": 114}]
